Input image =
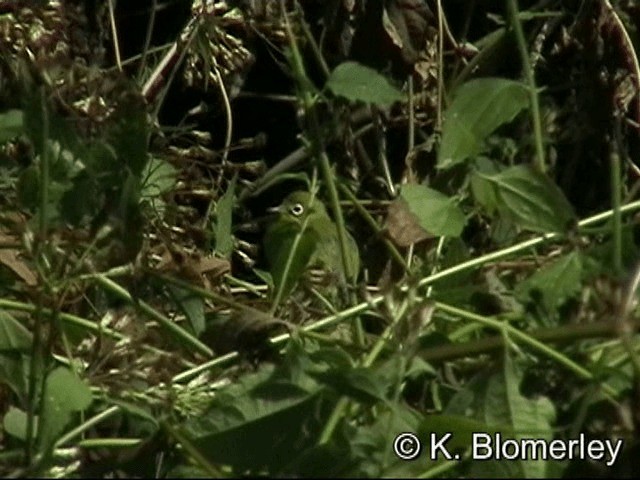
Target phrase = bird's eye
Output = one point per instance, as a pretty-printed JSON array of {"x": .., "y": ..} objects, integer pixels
[{"x": 297, "y": 209}]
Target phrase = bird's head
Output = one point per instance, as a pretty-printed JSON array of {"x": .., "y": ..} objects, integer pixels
[{"x": 297, "y": 206}]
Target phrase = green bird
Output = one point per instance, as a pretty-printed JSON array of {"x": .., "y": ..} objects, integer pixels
[{"x": 318, "y": 243}]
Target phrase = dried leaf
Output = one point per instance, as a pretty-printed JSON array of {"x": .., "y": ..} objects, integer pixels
[
  {"x": 10, "y": 258},
  {"x": 406, "y": 22},
  {"x": 402, "y": 225}
]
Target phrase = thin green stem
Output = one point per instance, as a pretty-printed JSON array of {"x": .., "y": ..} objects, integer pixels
[
  {"x": 287, "y": 266},
  {"x": 373, "y": 302},
  {"x": 616, "y": 201},
  {"x": 395, "y": 254},
  {"x": 524, "y": 338},
  {"x": 83, "y": 323},
  {"x": 512, "y": 7},
  {"x": 79, "y": 430},
  {"x": 165, "y": 322},
  {"x": 304, "y": 86}
]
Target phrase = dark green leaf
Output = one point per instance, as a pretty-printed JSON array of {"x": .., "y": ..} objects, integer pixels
[
  {"x": 532, "y": 200},
  {"x": 11, "y": 125},
  {"x": 64, "y": 394},
  {"x": 481, "y": 188},
  {"x": 356, "y": 82},
  {"x": 40, "y": 121},
  {"x": 460, "y": 427},
  {"x": 14, "y": 373},
  {"x": 129, "y": 135},
  {"x": 435, "y": 212},
  {"x": 362, "y": 384},
  {"x": 479, "y": 107},
  {"x": 556, "y": 282},
  {"x": 495, "y": 399},
  {"x": 224, "y": 210},
  {"x": 192, "y": 305},
  {"x": 158, "y": 177},
  {"x": 15, "y": 423},
  {"x": 13, "y": 335},
  {"x": 252, "y": 428}
]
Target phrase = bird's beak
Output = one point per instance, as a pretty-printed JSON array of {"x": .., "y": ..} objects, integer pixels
[{"x": 277, "y": 209}]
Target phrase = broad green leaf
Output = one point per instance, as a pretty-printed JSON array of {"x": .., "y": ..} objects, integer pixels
[
  {"x": 10, "y": 125},
  {"x": 129, "y": 134},
  {"x": 192, "y": 305},
  {"x": 13, "y": 334},
  {"x": 372, "y": 442},
  {"x": 64, "y": 394},
  {"x": 495, "y": 399},
  {"x": 479, "y": 107},
  {"x": 158, "y": 177},
  {"x": 531, "y": 200},
  {"x": 356, "y": 82},
  {"x": 361, "y": 384},
  {"x": 44, "y": 126},
  {"x": 89, "y": 189},
  {"x": 528, "y": 418},
  {"x": 15, "y": 423},
  {"x": 460, "y": 427},
  {"x": 14, "y": 373},
  {"x": 362, "y": 450},
  {"x": 224, "y": 210},
  {"x": 436, "y": 213},
  {"x": 555, "y": 282},
  {"x": 481, "y": 188},
  {"x": 259, "y": 426}
]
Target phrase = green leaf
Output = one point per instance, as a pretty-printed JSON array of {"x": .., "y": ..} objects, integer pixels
[
  {"x": 556, "y": 282},
  {"x": 15, "y": 423},
  {"x": 531, "y": 200},
  {"x": 495, "y": 399},
  {"x": 481, "y": 188},
  {"x": 356, "y": 82},
  {"x": 13, "y": 334},
  {"x": 129, "y": 134},
  {"x": 436, "y": 213},
  {"x": 11, "y": 125},
  {"x": 478, "y": 109},
  {"x": 41, "y": 120},
  {"x": 259, "y": 423},
  {"x": 15, "y": 371},
  {"x": 64, "y": 394},
  {"x": 361, "y": 384},
  {"x": 224, "y": 210},
  {"x": 87, "y": 188},
  {"x": 191, "y": 305},
  {"x": 460, "y": 427},
  {"x": 158, "y": 177}
]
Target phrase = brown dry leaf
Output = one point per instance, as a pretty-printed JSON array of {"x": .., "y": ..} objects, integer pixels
[
  {"x": 10, "y": 258},
  {"x": 213, "y": 266},
  {"x": 192, "y": 266},
  {"x": 406, "y": 22},
  {"x": 402, "y": 225}
]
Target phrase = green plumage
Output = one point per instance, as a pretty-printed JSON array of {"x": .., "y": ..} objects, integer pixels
[{"x": 318, "y": 246}]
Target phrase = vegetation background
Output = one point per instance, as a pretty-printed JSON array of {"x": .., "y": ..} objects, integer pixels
[{"x": 483, "y": 154}]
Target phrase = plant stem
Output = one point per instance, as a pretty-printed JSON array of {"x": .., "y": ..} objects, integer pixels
[
  {"x": 373, "y": 302},
  {"x": 316, "y": 139},
  {"x": 512, "y": 7},
  {"x": 616, "y": 224}
]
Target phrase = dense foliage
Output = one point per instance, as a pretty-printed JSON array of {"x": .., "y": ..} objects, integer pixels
[{"x": 483, "y": 155}]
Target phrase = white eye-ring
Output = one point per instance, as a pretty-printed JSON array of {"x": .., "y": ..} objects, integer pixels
[{"x": 297, "y": 209}]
